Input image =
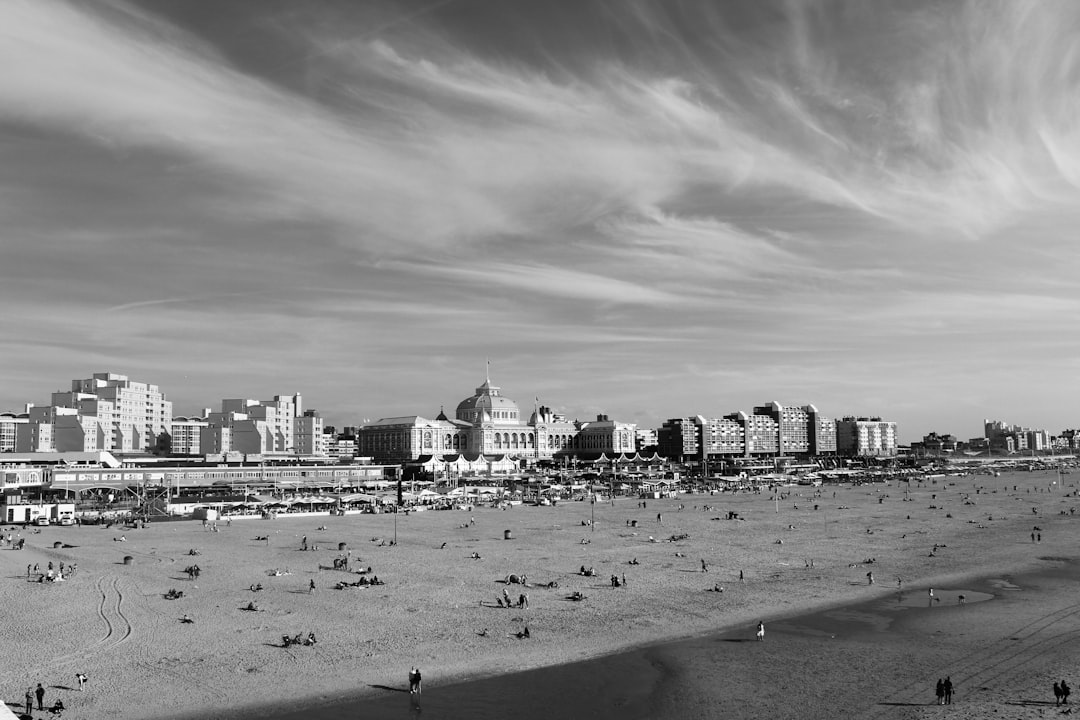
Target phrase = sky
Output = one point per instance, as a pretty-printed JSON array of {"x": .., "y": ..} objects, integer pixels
[{"x": 642, "y": 209}]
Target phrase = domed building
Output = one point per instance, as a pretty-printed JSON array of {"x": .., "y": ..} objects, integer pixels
[{"x": 490, "y": 424}]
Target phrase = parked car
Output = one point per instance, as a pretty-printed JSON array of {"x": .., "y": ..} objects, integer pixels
[{"x": 41, "y": 521}]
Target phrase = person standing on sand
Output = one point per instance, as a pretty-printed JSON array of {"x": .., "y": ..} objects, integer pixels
[
  {"x": 311, "y": 586},
  {"x": 869, "y": 578},
  {"x": 948, "y": 690},
  {"x": 1057, "y": 694},
  {"x": 1064, "y": 693},
  {"x": 40, "y": 692},
  {"x": 760, "y": 631},
  {"x": 939, "y": 691},
  {"x": 29, "y": 701}
]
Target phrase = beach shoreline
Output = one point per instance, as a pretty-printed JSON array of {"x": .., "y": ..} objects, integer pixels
[{"x": 437, "y": 599}]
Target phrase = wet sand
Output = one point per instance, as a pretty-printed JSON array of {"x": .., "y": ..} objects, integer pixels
[
  {"x": 875, "y": 659},
  {"x": 112, "y": 621}
]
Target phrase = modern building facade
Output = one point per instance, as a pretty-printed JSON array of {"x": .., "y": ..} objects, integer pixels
[
  {"x": 185, "y": 435},
  {"x": 263, "y": 427},
  {"x": 772, "y": 430},
  {"x": 106, "y": 412},
  {"x": 866, "y": 437},
  {"x": 9, "y": 424}
]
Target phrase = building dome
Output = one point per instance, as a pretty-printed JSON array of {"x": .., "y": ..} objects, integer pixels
[{"x": 488, "y": 405}]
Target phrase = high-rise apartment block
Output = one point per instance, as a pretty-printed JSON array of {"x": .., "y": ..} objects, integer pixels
[
  {"x": 263, "y": 427},
  {"x": 866, "y": 437},
  {"x": 186, "y": 435},
  {"x": 9, "y": 423},
  {"x": 106, "y": 412},
  {"x": 771, "y": 430},
  {"x": 1014, "y": 438}
]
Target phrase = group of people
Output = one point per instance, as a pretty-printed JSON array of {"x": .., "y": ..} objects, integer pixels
[
  {"x": 51, "y": 574},
  {"x": 944, "y": 691},
  {"x": 9, "y": 539},
  {"x": 38, "y": 693},
  {"x": 298, "y": 639},
  {"x": 1061, "y": 693}
]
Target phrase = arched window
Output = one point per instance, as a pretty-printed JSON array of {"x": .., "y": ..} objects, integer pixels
[
  {"x": 427, "y": 439},
  {"x": 446, "y": 441},
  {"x": 530, "y": 440},
  {"x": 506, "y": 439}
]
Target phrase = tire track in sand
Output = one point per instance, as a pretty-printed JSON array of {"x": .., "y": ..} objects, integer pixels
[{"x": 116, "y": 626}]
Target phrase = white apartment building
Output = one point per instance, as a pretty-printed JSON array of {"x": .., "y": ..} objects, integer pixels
[
  {"x": 186, "y": 435},
  {"x": 866, "y": 437},
  {"x": 264, "y": 427},
  {"x": 112, "y": 413},
  {"x": 9, "y": 424},
  {"x": 106, "y": 412}
]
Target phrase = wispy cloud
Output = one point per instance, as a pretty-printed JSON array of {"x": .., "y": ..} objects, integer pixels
[{"x": 780, "y": 178}]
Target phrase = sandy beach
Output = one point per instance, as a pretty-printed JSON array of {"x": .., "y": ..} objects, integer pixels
[{"x": 112, "y": 621}]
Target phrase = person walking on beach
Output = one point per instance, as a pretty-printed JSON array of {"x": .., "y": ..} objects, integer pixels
[
  {"x": 1057, "y": 694},
  {"x": 948, "y": 690},
  {"x": 939, "y": 691},
  {"x": 311, "y": 586},
  {"x": 869, "y": 578},
  {"x": 81, "y": 677},
  {"x": 760, "y": 631},
  {"x": 415, "y": 686},
  {"x": 704, "y": 566},
  {"x": 1064, "y": 693}
]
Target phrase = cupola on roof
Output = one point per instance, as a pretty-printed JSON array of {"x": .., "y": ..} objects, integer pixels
[{"x": 488, "y": 404}]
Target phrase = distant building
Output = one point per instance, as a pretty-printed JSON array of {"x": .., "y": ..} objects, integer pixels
[
  {"x": 489, "y": 423},
  {"x": 106, "y": 412},
  {"x": 771, "y": 430},
  {"x": 680, "y": 438},
  {"x": 866, "y": 437},
  {"x": 1070, "y": 439},
  {"x": 264, "y": 427},
  {"x": 9, "y": 424},
  {"x": 940, "y": 443},
  {"x": 646, "y": 439},
  {"x": 185, "y": 435},
  {"x": 1014, "y": 438}
]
